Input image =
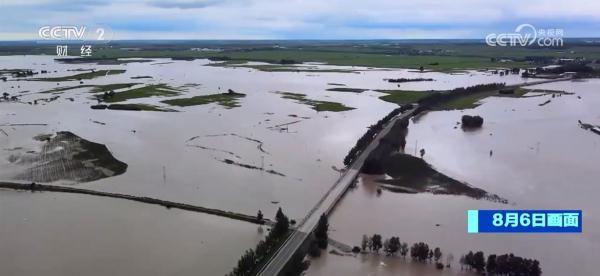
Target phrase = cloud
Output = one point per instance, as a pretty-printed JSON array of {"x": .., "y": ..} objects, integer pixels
[
  {"x": 195, "y": 4},
  {"x": 326, "y": 19}
]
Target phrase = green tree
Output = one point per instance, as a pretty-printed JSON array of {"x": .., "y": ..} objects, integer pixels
[
  {"x": 490, "y": 266},
  {"x": 259, "y": 216},
  {"x": 282, "y": 223},
  {"x": 364, "y": 243},
  {"x": 391, "y": 246},
  {"x": 469, "y": 260},
  {"x": 321, "y": 231},
  {"x": 535, "y": 269},
  {"x": 449, "y": 259},
  {"x": 478, "y": 262},
  {"x": 376, "y": 243},
  {"x": 437, "y": 254},
  {"x": 403, "y": 249},
  {"x": 297, "y": 266},
  {"x": 314, "y": 250},
  {"x": 462, "y": 261},
  {"x": 419, "y": 251}
]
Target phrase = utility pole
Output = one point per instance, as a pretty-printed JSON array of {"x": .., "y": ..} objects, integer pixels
[{"x": 416, "y": 143}]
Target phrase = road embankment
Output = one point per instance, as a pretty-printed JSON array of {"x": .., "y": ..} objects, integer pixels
[{"x": 168, "y": 204}]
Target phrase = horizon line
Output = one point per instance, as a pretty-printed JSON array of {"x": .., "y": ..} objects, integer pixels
[{"x": 280, "y": 39}]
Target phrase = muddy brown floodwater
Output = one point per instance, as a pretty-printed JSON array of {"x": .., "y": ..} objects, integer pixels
[
  {"x": 269, "y": 133},
  {"x": 57, "y": 234},
  {"x": 541, "y": 159}
]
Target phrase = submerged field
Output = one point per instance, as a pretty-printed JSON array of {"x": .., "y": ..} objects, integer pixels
[
  {"x": 535, "y": 155},
  {"x": 239, "y": 139}
]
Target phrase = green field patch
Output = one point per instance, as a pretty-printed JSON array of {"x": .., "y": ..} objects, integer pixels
[
  {"x": 130, "y": 107},
  {"x": 280, "y": 68},
  {"x": 112, "y": 86},
  {"x": 474, "y": 100},
  {"x": 59, "y": 90},
  {"x": 82, "y": 76},
  {"x": 227, "y": 100},
  {"x": 142, "y": 92},
  {"x": 465, "y": 102},
  {"x": 95, "y": 88},
  {"x": 347, "y": 89},
  {"x": 315, "y": 104},
  {"x": 101, "y": 61},
  {"x": 345, "y": 57},
  {"x": 402, "y": 97},
  {"x": 137, "y": 107},
  {"x": 432, "y": 56}
]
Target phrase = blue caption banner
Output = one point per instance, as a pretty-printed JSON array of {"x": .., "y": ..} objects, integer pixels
[{"x": 524, "y": 221}]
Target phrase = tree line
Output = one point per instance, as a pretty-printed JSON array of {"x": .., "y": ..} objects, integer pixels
[
  {"x": 506, "y": 264},
  {"x": 419, "y": 252},
  {"x": 372, "y": 130},
  {"x": 249, "y": 263},
  {"x": 440, "y": 97},
  {"x": 321, "y": 238}
]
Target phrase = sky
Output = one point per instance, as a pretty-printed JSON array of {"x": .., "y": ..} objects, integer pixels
[{"x": 299, "y": 19}]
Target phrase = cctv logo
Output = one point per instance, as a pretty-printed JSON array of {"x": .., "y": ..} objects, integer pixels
[
  {"x": 62, "y": 32},
  {"x": 519, "y": 37}
]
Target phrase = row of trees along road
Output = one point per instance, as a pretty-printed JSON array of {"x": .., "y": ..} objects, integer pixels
[
  {"x": 321, "y": 237},
  {"x": 251, "y": 261}
]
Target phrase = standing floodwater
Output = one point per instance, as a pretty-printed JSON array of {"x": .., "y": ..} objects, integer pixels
[{"x": 542, "y": 159}]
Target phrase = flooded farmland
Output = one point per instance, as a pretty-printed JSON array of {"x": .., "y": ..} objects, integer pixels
[
  {"x": 63, "y": 234},
  {"x": 536, "y": 156},
  {"x": 261, "y": 151}
]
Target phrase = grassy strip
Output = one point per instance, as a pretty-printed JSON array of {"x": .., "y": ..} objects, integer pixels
[
  {"x": 100, "y": 61},
  {"x": 429, "y": 62},
  {"x": 142, "y": 92},
  {"x": 474, "y": 100},
  {"x": 466, "y": 102},
  {"x": 432, "y": 56},
  {"x": 347, "y": 89},
  {"x": 95, "y": 88},
  {"x": 62, "y": 89},
  {"x": 131, "y": 107},
  {"x": 82, "y": 76},
  {"x": 281, "y": 68},
  {"x": 315, "y": 104},
  {"x": 136, "y": 107},
  {"x": 112, "y": 86},
  {"x": 402, "y": 97},
  {"x": 463, "y": 101},
  {"x": 228, "y": 100},
  {"x": 349, "y": 56}
]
